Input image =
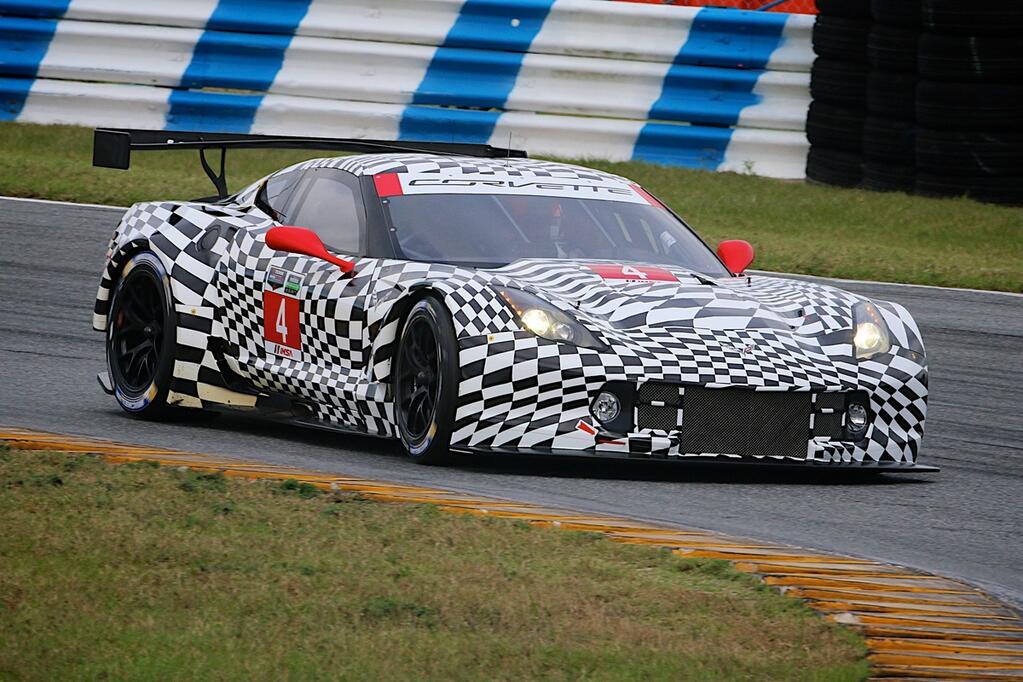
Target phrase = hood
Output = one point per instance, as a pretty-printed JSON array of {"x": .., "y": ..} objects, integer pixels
[{"x": 657, "y": 296}]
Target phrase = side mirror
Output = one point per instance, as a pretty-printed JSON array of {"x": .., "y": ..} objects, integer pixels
[
  {"x": 306, "y": 242},
  {"x": 736, "y": 254}
]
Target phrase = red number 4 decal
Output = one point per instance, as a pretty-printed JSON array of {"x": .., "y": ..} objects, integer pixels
[
  {"x": 280, "y": 320},
  {"x": 633, "y": 272}
]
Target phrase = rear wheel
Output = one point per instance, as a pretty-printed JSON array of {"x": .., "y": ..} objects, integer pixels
[
  {"x": 426, "y": 382},
  {"x": 141, "y": 331}
]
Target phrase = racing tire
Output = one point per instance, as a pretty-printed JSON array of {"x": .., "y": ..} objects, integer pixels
[
  {"x": 835, "y": 127},
  {"x": 904, "y": 13},
  {"x": 849, "y": 9},
  {"x": 838, "y": 82},
  {"x": 967, "y": 153},
  {"x": 892, "y": 95},
  {"x": 889, "y": 141},
  {"x": 970, "y": 59},
  {"x": 969, "y": 106},
  {"x": 974, "y": 18},
  {"x": 141, "y": 337},
  {"x": 886, "y": 177},
  {"x": 426, "y": 382},
  {"x": 834, "y": 167},
  {"x": 893, "y": 48},
  {"x": 842, "y": 39}
]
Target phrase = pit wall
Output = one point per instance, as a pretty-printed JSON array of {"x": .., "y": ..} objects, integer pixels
[{"x": 718, "y": 89}]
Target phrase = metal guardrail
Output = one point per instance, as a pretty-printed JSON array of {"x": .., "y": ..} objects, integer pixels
[{"x": 709, "y": 88}]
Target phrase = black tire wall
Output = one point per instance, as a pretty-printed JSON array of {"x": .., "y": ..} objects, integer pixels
[
  {"x": 838, "y": 87},
  {"x": 933, "y": 89}
]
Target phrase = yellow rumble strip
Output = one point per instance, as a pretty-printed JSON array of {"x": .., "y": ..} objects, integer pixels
[{"x": 918, "y": 626}]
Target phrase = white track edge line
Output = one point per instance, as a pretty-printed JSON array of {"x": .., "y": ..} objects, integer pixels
[{"x": 62, "y": 203}]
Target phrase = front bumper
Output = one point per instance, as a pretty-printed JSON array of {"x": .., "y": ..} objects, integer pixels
[{"x": 522, "y": 394}]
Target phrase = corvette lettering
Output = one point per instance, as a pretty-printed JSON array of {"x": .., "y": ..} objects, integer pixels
[
  {"x": 395, "y": 184},
  {"x": 512, "y": 184}
]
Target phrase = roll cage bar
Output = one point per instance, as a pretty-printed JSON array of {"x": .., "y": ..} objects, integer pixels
[{"x": 112, "y": 147}]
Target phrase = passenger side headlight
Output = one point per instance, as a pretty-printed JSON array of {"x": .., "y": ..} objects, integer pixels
[
  {"x": 546, "y": 320},
  {"x": 870, "y": 333}
]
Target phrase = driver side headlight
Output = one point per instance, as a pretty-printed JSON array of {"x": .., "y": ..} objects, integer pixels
[
  {"x": 546, "y": 320},
  {"x": 870, "y": 333}
]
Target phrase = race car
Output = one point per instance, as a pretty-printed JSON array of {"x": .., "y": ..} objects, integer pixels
[{"x": 467, "y": 299}]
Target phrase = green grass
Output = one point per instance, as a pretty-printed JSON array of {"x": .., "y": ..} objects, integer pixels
[
  {"x": 795, "y": 227},
  {"x": 145, "y": 573}
]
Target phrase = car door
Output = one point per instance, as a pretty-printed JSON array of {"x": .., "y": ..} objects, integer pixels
[{"x": 294, "y": 323}]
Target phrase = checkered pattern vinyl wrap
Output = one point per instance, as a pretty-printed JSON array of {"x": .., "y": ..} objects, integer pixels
[{"x": 518, "y": 392}]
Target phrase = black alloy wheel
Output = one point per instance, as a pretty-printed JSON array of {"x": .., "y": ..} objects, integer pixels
[
  {"x": 425, "y": 382},
  {"x": 137, "y": 335},
  {"x": 140, "y": 338},
  {"x": 418, "y": 378}
]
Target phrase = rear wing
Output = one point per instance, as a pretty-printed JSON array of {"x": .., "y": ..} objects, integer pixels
[{"x": 112, "y": 147}]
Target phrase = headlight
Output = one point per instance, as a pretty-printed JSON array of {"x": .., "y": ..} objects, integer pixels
[
  {"x": 546, "y": 320},
  {"x": 870, "y": 333}
]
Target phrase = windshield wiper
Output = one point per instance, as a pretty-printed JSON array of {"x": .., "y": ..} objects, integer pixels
[{"x": 704, "y": 279}]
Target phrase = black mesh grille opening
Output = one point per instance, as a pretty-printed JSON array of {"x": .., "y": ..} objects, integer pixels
[
  {"x": 740, "y": 421},
  {"x": 661, "y": 418},
  {"x": 828, "y": 425},
  {"x": 662, "y": 393}
]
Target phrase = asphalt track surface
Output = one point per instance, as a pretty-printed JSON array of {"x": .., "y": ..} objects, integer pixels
[{"x": 964, "y": 522}]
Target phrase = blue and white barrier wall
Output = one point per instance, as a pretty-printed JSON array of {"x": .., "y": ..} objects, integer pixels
[{"x": 709, "y": 88}]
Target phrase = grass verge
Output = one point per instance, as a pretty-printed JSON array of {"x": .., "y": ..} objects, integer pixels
[
  {"x": 137, "y": 572},
  {"x": 794, "y": 226}
]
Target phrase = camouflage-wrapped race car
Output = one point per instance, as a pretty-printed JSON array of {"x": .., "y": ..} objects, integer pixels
[{"x": 462, "y": 298}]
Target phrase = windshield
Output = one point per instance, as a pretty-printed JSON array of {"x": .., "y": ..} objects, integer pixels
[{"x": 489, "y": 230}]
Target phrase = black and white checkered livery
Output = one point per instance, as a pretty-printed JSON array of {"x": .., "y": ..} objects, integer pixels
[{"x": 671, "y": 344}]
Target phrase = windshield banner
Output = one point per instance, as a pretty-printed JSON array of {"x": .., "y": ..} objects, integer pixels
[{"x": 394, "y": 184}]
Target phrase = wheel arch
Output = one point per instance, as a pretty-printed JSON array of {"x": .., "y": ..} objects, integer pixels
[
  {"x": 112, "y": 273},
  {"x": 386, "y": 341}
]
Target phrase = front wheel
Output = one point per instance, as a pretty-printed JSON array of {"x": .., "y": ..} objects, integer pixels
[
  {"x": 140, "y": 338},
  {"x": 426, "y": 382}
]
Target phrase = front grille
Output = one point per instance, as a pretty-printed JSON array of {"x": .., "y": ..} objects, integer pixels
[
  {"x": 735, "y": 421},
  {"x": 739, "y": 421}
]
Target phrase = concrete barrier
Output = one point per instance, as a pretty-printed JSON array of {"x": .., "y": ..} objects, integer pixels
[{"x": 708, "y": 88}]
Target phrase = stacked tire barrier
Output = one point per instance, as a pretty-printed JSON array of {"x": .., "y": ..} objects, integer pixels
[
  {"x": 711, "y": 88},
  {"x": 838, "y": 86},
  {"x": 889, "y": 130},
  {"x": 919, "y": 95},
  {"x": 970, "y": 100}
]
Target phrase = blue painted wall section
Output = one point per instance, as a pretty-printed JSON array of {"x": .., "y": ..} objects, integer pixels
[
  {"x": 50, "y": 9},
  {"x": 476, "y": 66},
  {"x": 25, "y": 40},
  {"x": 242, "y": 48},
  {"x": 739, "y": 43}
]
